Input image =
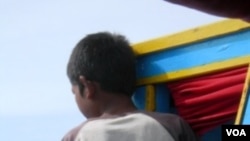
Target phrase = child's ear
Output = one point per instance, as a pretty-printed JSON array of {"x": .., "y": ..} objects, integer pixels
[{"x": 89, "y": 87}]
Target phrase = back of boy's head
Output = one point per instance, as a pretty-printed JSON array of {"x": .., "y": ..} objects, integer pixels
[{"x": 105, "y": 58}]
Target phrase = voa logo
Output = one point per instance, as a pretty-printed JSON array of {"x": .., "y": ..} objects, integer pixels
[{"x": 236, "y": 132}]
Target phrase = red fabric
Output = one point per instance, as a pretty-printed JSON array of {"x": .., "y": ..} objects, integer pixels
[{"x": 208, "y": 101}]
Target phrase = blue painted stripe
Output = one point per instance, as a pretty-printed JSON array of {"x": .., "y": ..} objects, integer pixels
[
  {"x": 162, "y": 98},
  {"x": 209, "y": 51},
  {"x": 139, "y": 98},
  {"x": 246, "y": 116}
]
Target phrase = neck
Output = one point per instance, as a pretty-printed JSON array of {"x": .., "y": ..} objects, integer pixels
[{"x": 117, "y": 105}]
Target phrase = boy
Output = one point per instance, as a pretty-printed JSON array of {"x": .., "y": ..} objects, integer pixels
[{"x": 102, "y": 72}]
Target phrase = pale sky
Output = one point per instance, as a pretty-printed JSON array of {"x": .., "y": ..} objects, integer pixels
[{"x": 36, "y": 39}]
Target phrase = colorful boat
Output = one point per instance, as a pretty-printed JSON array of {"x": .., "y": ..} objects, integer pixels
[{"x": 202, "y": 74}]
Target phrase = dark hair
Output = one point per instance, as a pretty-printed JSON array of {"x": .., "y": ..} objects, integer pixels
[{"x": 104, "y": 58}]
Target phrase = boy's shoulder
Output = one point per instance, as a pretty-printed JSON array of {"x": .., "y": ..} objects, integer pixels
[
  {"x": 71, "y": 135},
  {"x": 175, "y": 125}
]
